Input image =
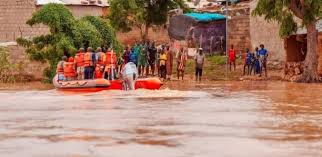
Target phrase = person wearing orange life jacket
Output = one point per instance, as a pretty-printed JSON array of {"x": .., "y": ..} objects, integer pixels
[
  {"x": 100, "y": 65},
  {"x": 69, "y": 69},
  {"x": 110, "y": 65},
  {"x": 79, "y": 63},
  {"x": 60, "y": 69},
  {"x": 89, "y": 63}
]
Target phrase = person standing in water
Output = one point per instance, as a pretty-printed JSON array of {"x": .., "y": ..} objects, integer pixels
[
  {"x": 199, "y": 61},
  {"x": 129, "y": 75},
  {"x": 232, "y": 57}
]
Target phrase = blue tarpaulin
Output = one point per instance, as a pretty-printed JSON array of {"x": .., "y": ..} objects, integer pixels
[{"x": 206, "y": 17}]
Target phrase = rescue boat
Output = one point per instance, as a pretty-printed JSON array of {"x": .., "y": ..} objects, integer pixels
[
  {"x": 97, "y": 85},
  {"x": 141, "y": 83},
  {"x": 94, "y": 85}
]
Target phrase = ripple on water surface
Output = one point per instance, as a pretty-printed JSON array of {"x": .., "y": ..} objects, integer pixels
[{"x": 218, "y": 120}]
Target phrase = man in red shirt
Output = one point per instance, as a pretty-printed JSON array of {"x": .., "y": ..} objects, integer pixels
[{"x": 232, "y": 57}]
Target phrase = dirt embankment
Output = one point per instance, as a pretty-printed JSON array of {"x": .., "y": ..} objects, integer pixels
[
  {"x": 36, "y": 85},
  {"x": 215, "y": 69}
]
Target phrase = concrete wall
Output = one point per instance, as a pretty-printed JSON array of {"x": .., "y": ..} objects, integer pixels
[
  {"x": 320, "y": 53},
  {"x": 263, "y": 32},
  {"x": 13, "y": 17},
  {"x": 32, "y": 68},
  {"x": 239, "y": 33},
  {"x": 81, "y": 11},
  {"x": 159, "y": 35}
]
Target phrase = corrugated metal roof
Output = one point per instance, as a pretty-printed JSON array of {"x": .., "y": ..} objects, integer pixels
[
  {"x": 101, "y": 3},
  {"x": 198, "y": 4},
  {"x": 303, "y": 30},
  {"x": 44, "y": 2}
]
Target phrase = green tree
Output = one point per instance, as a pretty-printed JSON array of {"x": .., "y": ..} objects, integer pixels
[
  {"x": 285, "y": 12},
  {"x": 125, "y": 14},
  {"x": 66, "y": 35},
  {"x": 107, "y": 32}
]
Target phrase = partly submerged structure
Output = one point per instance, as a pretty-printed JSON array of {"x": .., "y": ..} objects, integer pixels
[{"x": 205, "y": 30}]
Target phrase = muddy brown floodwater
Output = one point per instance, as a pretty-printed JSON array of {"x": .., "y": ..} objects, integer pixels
[{"x": 224, "y": 119}]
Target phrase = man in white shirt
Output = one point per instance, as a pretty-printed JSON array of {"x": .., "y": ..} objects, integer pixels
[
  {"x": 130, "y": 75},
  {"x": 199, "y": 61}
]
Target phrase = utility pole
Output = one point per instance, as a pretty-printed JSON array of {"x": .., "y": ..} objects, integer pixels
[{"x": 227, "y": 46}]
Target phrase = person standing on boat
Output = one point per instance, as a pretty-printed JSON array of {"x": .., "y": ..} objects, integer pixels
[
  {"x": 100, "y": 65},
  {"x": 60, "y": 69},
  {"x": 129, "y": 75},
  {"x": 69, "y": 70},
  {"x": 79, "y": 63},
  {"x": 89, "y": 62},
  {"x": 110, "y": 65}
]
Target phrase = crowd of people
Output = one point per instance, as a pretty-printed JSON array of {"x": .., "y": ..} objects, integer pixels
[
  {"x": 153, "y": 60},
  {"x": 88, "y": 65},
  {"x": 255, "y": 62},
  {"x": 149, "y": 59}
]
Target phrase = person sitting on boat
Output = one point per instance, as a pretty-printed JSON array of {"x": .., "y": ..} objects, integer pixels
[
  {"x": 69, "y": 70},
  {"x": 110, "y": 65},
  {"x": 129, "y": 75},
  {"x": 100, "y": 65},
  {"x": 79, "y": 63},
  {"x": 89, "y": 62},
  {"x": 60, "y": 69}
]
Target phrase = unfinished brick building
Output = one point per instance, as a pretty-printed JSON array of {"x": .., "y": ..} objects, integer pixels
[
  {"x": 15, "y": 13},
  {"x": 296, "y": 48}
]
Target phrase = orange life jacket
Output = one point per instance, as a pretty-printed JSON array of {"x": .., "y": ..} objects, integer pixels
[
  {"x": 98, "y": 72},
  {"x": 69, "y": 70},
  {"x": 79, "y": 59},
  {"x": 88, "y": 60},
  {"x": 60, "y": 68},
  {"x": 101, "y": 58},
  {"x": 71, "y": 59},
  {"x": 110, "y": 58}
]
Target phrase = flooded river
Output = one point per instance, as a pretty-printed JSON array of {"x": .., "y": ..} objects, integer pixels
[{"x": 233, "y": 119}]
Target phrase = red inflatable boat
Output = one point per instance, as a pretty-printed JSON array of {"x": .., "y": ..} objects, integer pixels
[
  {"x": 96, "y": 85},
  {"x": 141, "y": 83}
]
